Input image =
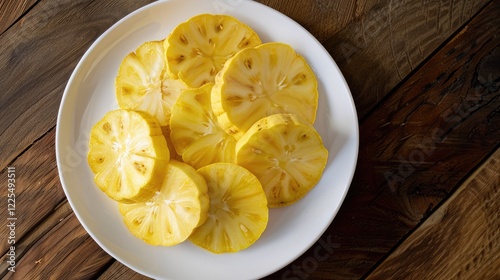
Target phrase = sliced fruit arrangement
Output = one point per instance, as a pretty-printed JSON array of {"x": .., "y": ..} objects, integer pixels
[
  {"x": 257, "y": 82},
  {"x": 128, "y": 155},
  {"x": 286, "y": 154},
  {"x": 197, "y": 49},
  {"x": 214, "y": 129},
  {"x": 144, "y": 84},
  {"x": 195, "y": 132},
  {"x": 176, "y": 209},
  {"x": 238, "y": 212}
]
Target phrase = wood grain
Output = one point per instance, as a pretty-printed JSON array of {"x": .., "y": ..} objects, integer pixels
[
  {"x": 38, "y": 190},
  {"x": 377, "y": 43},
  {"x": 414, "y": 150},
  {"x": 36, "y": 72},
  {"x": 66, "y": 252},
  {"x": 391, "y": 40},
  {"x": 460, "y": 240},
  {"x": 323, "y": 18},
  {"x": 118, "y": 271},
  {"x": 33, "y": 236},
  {"x": 10, "y": 11}
]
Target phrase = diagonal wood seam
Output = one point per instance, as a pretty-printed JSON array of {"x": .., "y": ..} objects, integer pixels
[
  {"x": 28, "y": 148},
  {"x": 421, "y": 65},
  {"x": 341, "y": 40},
  {"x": 41, "y": 112},
  {"x": 490, "y": 160},
  {"x": 25, "y": 9}
]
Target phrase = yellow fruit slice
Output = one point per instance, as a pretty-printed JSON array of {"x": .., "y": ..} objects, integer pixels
[
  {"x": 171, "y": 215},
  {"x": 143, "y": 82},
  {"x": 286, "y": 154},
  {"x": 198, "y": 48},
  {"x": 238, "y": 212},
  {"x": 195, "y": 132},
  {"x": 128, "y": 155},
  {"x": 257, "y": 82}
]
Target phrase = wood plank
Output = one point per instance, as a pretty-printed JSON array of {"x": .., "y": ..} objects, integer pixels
[
  {"x": 377, "y": 43},
  {"x": 323, "y": 18},
  {"x": 32, "y": 237},
  {"x": 10, "y": 11},
  {"x": 66, "y": 252},
  {"x": 37, "y": 188},
  {"x": 119, "y": 271},
  {"x": 391, "y": 40},
  {"x": 460, "y": 240},
  {"x": 30, "y": 102},
  {"x": 415, "y": 148}
]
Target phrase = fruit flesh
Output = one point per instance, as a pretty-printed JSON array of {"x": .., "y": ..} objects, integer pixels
[
  {"x": 286, "y": 154},
  {"x": 263, "y": 81},
  {"x": 176, "y": 209},
  {"x": 127, "y": 166},
  {"x": 238, "y": 212},
  {"x": 195, "y": 131},
  {"x": 143, "y": 82},
  {"x": 257, "y": 82},
  {"x": 198, "y": 48}
]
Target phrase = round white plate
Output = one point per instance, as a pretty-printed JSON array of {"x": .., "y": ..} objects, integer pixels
[{"x": 89, "y": 94}]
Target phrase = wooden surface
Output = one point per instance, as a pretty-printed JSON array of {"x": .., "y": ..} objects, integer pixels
[
  {"x": 469, "y": 220},
  {"x": 425, "y": 77}
]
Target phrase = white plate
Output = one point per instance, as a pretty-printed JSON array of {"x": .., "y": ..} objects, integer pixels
[{"x": 89, "y": 94}]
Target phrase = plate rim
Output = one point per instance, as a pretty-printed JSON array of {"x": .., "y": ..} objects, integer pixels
[{"x": 76, "y": 72}]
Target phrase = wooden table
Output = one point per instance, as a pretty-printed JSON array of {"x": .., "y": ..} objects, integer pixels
[{"x": 425, "y": 199}]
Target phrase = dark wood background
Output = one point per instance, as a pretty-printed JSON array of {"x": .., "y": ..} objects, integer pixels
[{"x": 425, "y": 77}]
